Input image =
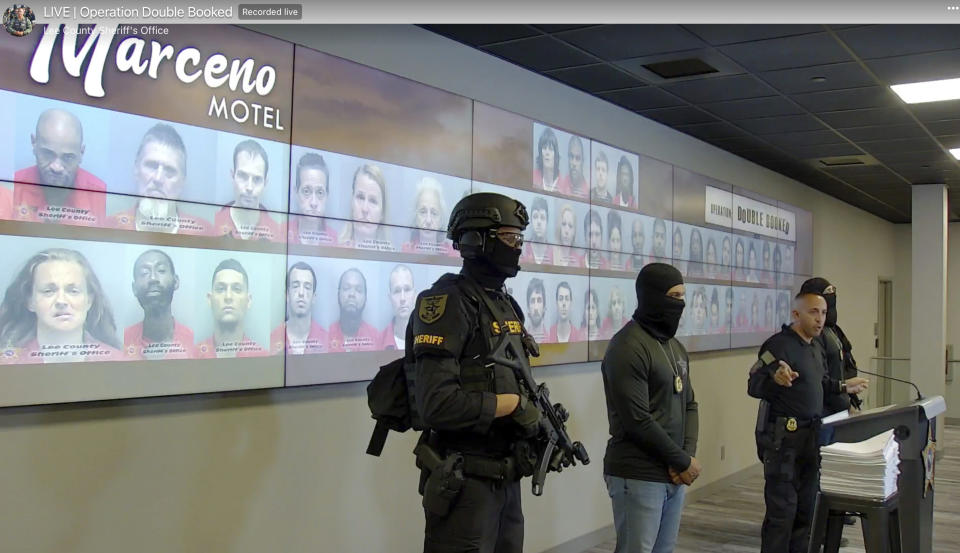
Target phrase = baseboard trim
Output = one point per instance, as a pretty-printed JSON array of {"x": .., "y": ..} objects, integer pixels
[{"x": 608, "y": 533}]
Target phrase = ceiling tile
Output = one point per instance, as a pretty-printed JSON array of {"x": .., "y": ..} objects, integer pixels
[
  {"x": 741, "y": 143},
  {"x": 882, "y": 132},
  {"x": 707, "y": 131},
  {"x": 916, "y": 68},
  {"x": 478, "y": 35},
  {"x": 837, "y": 75},
  {"x": 718, "y": 89},
  {"x": 756, "y": 107},
  {"x": 851, "y": 98},
  {"x": 678, "y": 116},
  {"x": 786, "y": 123},
  {"x": 936, "y": 111},
  {"x": 646, "y": 97},
  {"x": 865, "y": 117},
  {"x": 730, "y": 34},
  {"x": 919, "y": 157},
  {"x": 900, "y": 145},
  {"x": 825, "y": 150},
  {"x": 617, "y": 42},
  {"x": 883, "y": 41},
  {"x": 784, "y": 53},
  {"x": 595, "y": 78},
  {"x": 943, "y": 128},
  {"x": 540, "y": 53},
  {"x": 806, "y": 138},
  {"x": 559, "y": 28}
]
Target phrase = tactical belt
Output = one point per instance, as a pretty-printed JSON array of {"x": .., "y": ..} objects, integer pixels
[
  {"x": 500, "y": 469},
  {"x": 486, "y": 467},
  {"x": 792, "y": 424}
]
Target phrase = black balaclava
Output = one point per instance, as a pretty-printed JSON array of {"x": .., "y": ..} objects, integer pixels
[
  {"x": 495, "y": 264},
  {"x": 817, "y": 285},
  {"x": 656, "y": 312}
]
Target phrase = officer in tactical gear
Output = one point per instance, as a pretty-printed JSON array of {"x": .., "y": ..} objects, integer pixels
[
  {"x": 791, "y": 376},
  {"x": 473, "y": 451},
  {"x": 839, "y": 351}
]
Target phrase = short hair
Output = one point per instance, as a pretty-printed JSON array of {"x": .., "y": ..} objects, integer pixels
[
  {"x": 253, "y": 149},
  {"x": 400, "y": 267},
  {"x": 164, "y": 134},
  {"x": 353, "y": 270},
  {"x": 310, "y": 160},
  {"x": 661, "y": 222},
  {"x": 601, "y": 157},
  {"x": 536, "y": 285},
  {"x": 428, "y": 184},
  {"x": 803, "y": 293},
  {"x": 230, "y": 265},
  {"x": 548, "y": 138},
  {"x": 539, "y": 203},
  {"x": 301, "y": 266},
  {"x": 574, "y": 139},
  {"x": 161, "y": 252},
  {"x": 563, "y": 284}
]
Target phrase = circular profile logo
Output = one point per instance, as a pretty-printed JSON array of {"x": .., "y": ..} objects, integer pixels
[{"x": 18, "y": 20}]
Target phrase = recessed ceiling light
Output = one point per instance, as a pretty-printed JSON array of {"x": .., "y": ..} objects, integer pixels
[
  {"x": 955, "y": 152},
  {"x": 818, "y": 79},
  {"x": 929, "y": 91}
]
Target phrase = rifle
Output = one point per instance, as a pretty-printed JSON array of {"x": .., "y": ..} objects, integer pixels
[{"x": 555, "y": 449}]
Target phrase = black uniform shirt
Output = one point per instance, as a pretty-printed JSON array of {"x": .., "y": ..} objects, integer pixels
[
  {"x": 833, "y": 349},
  {"x": 804, "y": 399},
  {"x": 652, "y": 427},
  {"x": 444, "y": 336}
]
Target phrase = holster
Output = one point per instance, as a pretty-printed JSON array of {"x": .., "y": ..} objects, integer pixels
[{"x": 444, "y": 478}]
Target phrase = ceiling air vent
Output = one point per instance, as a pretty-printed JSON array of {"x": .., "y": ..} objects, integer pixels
[
  {"x": 839, "y": 162},
  {"x": 675, "y": 69}
]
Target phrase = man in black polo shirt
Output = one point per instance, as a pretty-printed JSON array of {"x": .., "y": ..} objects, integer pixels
[
  {"x": 653, "y": 417},
  {"x": 791, "y": 376}
]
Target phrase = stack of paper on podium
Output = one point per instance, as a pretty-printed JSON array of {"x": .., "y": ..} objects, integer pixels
[{"x": 863, "y": 469}]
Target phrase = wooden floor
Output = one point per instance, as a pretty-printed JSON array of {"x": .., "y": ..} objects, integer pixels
[{"x": 729, "y": 521}]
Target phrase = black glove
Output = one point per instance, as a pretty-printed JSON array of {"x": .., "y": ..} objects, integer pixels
[{"x": 527, "y": 416}]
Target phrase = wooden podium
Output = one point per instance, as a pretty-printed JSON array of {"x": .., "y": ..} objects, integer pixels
[{"x": 914, "y": 428}]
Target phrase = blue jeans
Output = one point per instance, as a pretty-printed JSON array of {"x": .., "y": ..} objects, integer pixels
[{"x": 645, "y": 514}]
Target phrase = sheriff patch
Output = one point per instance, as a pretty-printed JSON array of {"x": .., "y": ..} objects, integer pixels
[
  {"x": 513, "y": 327},
  {"x": 428, "y": 339},
  {"x": 432, "y": 308}
]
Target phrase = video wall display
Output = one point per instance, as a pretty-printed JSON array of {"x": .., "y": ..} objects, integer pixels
[{"x": 179, "y": 217}]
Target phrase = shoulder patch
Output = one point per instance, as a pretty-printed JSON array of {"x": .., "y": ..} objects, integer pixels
[{"x": 432, "y": 308}]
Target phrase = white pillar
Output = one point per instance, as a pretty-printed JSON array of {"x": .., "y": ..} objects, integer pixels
[{"x": 928, "y": 332}]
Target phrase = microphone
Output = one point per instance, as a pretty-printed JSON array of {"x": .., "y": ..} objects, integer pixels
[{"x": 919, "y": 395}]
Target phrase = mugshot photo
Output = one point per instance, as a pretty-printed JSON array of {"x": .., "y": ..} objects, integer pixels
[
  {"x": 560, "y": 162},
  {"x": 50, "y": 150},
  {"x": 60, "y": 301},
  {"x": 616, "y": 170},
  {"x": 241, "y": 299},
  {"x": 252, "y": 186}
]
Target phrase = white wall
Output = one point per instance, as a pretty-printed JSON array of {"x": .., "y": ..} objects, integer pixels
[{"x": 285, "y": 470}]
